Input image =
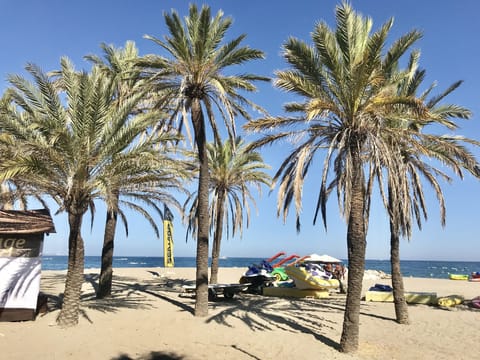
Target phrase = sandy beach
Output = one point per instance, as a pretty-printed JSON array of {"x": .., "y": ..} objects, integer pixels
[{"x": 147, "y": 319}]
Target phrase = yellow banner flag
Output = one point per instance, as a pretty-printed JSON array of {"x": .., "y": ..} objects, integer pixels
[{"x": 168, "y": 260}]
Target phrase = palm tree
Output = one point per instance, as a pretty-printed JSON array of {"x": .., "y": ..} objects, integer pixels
[
  {"x": 232, "y": 171},
  {"x": 68, "y": 135},
  {"x": 348, "y": 91},
  {"x": 405, "y": 191},
  {"x": 119, "y": 64},
  {"x": 190, "y": 81}
]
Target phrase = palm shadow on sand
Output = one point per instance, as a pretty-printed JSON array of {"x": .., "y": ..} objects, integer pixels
[
  {"x": 260, "y": 313},
  {"x": 293, "y": 315},
  {"x": 127, "y": 293}
]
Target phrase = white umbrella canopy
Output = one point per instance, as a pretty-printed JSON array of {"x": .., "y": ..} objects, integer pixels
[{"x": 322, "y": 258}]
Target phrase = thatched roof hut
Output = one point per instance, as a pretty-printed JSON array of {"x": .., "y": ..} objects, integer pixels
[{"x": 26, "y": 222}]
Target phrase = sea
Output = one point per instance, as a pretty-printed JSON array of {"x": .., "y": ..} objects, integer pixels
[{"x": 410, "y": 268}]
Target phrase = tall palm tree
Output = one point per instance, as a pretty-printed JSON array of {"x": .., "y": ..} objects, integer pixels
[
  {"x": 406, "y": 201},
  {"x": 68, "y": 136},
  {"x": 345, "y": 81},
  {"x": 233, "y": 170},
  {"x": 191, "y": 81},
  {"x": 120, "y": 65}
]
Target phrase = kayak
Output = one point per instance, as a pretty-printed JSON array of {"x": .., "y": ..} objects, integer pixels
[
  {"x": 451, "y": 300},
  {"x": 458, "y": 276}
]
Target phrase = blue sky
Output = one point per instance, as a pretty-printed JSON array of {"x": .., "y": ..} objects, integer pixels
[{"x": 43, "y": 31}]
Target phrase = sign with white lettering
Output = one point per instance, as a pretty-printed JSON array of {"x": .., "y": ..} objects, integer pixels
[{"x": 20, "y": 245}]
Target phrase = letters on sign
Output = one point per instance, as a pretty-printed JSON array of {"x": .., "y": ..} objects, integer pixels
[{"x": 20, "y": 246}]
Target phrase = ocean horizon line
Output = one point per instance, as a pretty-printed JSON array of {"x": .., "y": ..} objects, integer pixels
[{"x": 263, "y": 257}]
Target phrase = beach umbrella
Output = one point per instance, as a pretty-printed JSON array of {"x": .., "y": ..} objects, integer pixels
[{"x": 323, "y": 258}]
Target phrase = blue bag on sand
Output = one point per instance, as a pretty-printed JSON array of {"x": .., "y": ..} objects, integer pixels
[{"x": 381, "y": 287}]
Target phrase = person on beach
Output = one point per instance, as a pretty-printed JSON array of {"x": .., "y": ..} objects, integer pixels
[{"x": 339, "y": 274}]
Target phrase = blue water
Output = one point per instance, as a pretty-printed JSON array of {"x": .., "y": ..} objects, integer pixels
[{"x": 415, "y": 268}]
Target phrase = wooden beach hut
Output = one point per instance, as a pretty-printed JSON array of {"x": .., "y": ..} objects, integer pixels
[{"x": 21, "y": 244}]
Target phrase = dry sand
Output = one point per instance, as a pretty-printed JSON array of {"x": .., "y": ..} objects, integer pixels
[{"x": 147, "y": 319}]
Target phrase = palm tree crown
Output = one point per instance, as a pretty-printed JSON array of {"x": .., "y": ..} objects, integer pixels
[{"x": 233, "y": 169}]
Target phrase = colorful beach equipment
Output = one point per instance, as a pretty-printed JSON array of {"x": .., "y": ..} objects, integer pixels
[
  {"x": 450, "y": 301},
  {"x": 260, "y": 275},
  {"x": 476, "y": 302},
  {"x": 458, "y": 276},
  {"x": 475, "y": 276},
  {"x": 305, "y": 279}
]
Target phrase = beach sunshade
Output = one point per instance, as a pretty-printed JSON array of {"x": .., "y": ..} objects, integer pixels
[{"x": 323, "y": 258}]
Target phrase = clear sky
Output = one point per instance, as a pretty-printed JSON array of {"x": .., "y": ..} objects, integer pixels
[{"x": 43, "y": 31}]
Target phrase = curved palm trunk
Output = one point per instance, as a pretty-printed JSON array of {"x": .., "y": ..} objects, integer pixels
[
  {"x": 71, "y": 302},
  {"x": 106, "y": 272},
  {"x": 356, "y": 243},
  {"x": 217, "y": 238},
  {"x": 401, "y": 307},
  {"x": 201, "y": 303}
]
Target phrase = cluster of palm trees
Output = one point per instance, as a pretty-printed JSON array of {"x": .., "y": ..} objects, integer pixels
[
  {"x": 114, "y": 134},
  {"x": 366, "y": 116}
]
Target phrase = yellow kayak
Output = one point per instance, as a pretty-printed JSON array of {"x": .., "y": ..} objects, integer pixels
[
  {"x": 458, "y": 276},
  {"x": 451, "y": 300}
]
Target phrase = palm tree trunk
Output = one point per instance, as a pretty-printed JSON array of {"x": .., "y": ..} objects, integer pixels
[
  {"x": 401, "y": 307},
  {"x": 106, "y": 272},
  {"x": 217, "y": 237},
  {"x": 201, "y": 303},
  {"x": 7, "y": 204},
  {"x": 71, "y": 302},
  {"x": 356, "y": 244}
]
